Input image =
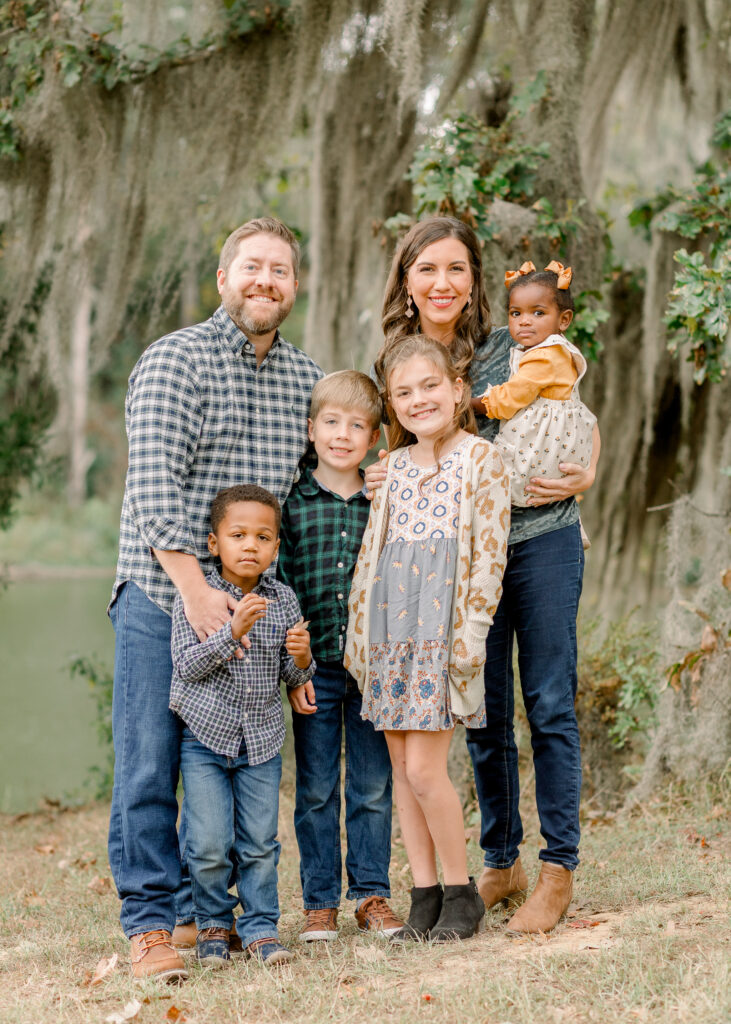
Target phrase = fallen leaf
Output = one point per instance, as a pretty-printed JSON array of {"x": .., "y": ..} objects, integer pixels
[
  {"x": 129, "y": 1012},
  {"x": 426, "y": 997},
  {"x": 100, "y": 884},
  {"x": 175, "y": 1014},
  {"x": 105, "y": 967},
  {"x": 709, "y": 639},
  {"x": 583, "y": 923},
  {"x": 726, "y": 579},
  {"x": 371, "y": 952},
  {"x": 45, "y": 848}
]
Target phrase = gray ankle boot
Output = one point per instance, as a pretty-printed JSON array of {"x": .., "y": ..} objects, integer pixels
[
  {"x": 426, "y": 905},
  {"x": 462, "y": 911}
]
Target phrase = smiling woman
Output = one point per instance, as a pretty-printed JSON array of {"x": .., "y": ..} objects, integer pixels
[{"x": 437, "y": 269}]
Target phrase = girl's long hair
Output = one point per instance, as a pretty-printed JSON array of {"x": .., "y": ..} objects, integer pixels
[
  {"x": 438, "y": 354},
  {"x": 473, "y": 323}
]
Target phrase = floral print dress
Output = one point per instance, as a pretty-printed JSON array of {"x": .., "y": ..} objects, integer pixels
[{"x": 411, "y": 603}]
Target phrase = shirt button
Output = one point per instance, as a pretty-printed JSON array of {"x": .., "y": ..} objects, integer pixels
[
  {"x": 340, "y": 597},
  {"x": 246, "y": 714},
  {"x": 340, "y": 565},
  {"x": 342, "y": 629},
  {"x": 343, "y": 534}
]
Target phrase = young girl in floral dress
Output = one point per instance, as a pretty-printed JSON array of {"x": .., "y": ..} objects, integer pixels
[{"x": 425, "y": 589}]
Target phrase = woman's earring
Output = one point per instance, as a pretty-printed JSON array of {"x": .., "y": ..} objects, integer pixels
[{"x": 409, "y": 308}]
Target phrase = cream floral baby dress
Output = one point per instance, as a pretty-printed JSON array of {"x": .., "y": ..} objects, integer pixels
[{"x": 546, "y": 432}]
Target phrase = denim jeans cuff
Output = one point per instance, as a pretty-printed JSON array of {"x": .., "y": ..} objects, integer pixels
[
  {"x": 184, "y": 920},
  {"x": 500, "y": 865},
  {"x": 267, "y": 933},
  {"x": 215, "y": 922},
  {"x": 149, "y": 926},
  {"x": 570, "y": 863},
  {"x": 363, "y": 894},
  {"x": 322, "y": 905}
]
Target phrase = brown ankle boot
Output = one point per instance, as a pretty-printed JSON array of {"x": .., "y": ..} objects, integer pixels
[
  {"x": 547, "y": 904},
  {"x": 506, "y": 885}
]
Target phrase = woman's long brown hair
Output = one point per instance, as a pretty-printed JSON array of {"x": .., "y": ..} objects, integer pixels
[{"x": 473, "y": 323}]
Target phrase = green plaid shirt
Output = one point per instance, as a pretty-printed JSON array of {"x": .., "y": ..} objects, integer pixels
[{"x": 321, "y": 536}]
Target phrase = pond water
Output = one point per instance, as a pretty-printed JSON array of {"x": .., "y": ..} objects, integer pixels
[{"x": 48, "y": 740}]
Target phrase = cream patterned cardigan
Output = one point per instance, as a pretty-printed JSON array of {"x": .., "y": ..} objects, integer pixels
[{"x": 482, "y": 536}]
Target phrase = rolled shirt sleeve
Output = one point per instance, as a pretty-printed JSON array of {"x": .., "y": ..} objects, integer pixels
[{"x": 164, "y": 418}]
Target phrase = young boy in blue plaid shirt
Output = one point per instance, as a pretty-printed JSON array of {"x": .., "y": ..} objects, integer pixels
[
  {"x": 322, "y": 527},
  {"x": 226, "y": 691}
]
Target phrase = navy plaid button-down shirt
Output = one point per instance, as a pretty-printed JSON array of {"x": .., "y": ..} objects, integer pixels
[
  {"x": 223, "y": 699},
  {"x": 201, "y": 416},
  {"x": 321, "y": 536}
]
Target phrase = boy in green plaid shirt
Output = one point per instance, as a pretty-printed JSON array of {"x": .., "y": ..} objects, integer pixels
[{"x": 322, "y": 527}]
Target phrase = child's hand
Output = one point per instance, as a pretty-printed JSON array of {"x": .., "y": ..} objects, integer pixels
[
  {"x": 302, "y": 699},
  {"x": 249, "y": 610},
  {"x": 375, "y": 474},
  {"x": 298, "y": 644}
]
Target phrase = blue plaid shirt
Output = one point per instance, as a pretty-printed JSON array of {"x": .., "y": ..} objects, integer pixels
[
  {"x": 224, "y": 700},
  {"x": 201, "y": 416}
]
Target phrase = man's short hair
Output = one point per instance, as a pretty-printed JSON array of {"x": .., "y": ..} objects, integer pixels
[
  {"x": 348, "y": 389},
  {"x": 259, "y": 226},
  {"x": 243, "y": 492}
]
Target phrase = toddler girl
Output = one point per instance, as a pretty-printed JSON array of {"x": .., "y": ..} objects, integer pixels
[
  {"x": 544, "y": 421},
  {"x": 425, "y": 589}
]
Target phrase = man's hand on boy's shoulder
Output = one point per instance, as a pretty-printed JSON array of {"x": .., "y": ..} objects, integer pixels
[
  {"x": 302, "y": 699},
  {"x": 249, "y": 610},
  {"x": 298, "y": 644}
]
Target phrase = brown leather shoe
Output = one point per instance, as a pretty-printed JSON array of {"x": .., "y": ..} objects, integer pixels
[
  {"x": 153, "y": 955},
  {"x": 320, "y": 924},
  {"x": 184, "y": 936},
  {"x": 503, "y": 885},
  {"x": 547, "y": 904},
  {"x": 375, "y": 915}
]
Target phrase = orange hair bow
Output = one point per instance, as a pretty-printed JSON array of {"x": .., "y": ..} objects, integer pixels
[
  {"x": 563, "y": 273},
  {"x": 513, "y": 275}
]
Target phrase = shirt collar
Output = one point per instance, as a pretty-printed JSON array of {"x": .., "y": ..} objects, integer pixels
[
  {"x": 309, "y": 486},
  {"x": 265, "y": 585},
  {"x": 235, "y": 337}
]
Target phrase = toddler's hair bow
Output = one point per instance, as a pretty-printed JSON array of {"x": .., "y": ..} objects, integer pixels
[
  {"x": 563, "y": 273},
  {"x": 513, "y": 275}
]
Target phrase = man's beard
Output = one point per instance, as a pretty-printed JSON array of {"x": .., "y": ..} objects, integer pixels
[{"x": 255, "y": 325}]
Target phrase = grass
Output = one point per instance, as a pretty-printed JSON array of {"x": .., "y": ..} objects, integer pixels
[{"x": 652, "y": 942}]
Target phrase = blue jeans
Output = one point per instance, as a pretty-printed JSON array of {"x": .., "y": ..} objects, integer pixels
[
  {"x": 232, "y": 809},
  {"x": 317, "y": 743},
  {"x": 143, "y": 842},
  {"x": 540, "y": 600}
]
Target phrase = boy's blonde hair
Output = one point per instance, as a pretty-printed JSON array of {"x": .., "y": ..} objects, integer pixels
[{"x": 348, "y": 389}]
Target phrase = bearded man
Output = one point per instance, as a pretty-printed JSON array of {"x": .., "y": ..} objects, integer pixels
[{"x": 221, "y": 403}]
